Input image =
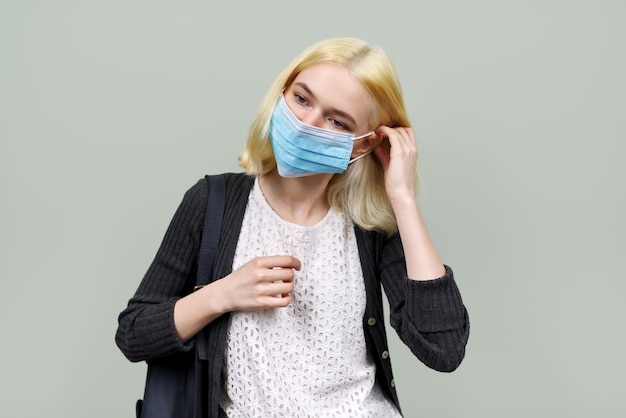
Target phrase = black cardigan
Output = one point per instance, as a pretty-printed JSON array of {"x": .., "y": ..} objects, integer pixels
[{"x": 429, "y": 316}]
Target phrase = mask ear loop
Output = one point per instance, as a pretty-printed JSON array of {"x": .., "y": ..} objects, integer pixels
[
  {"x": 365, "y": 153},
  {"x": 359, "y": 157},
  {"x": 370, "y": 133}
]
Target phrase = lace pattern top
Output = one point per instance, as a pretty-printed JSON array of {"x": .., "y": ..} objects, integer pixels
[{"x": 308, "y": 359}]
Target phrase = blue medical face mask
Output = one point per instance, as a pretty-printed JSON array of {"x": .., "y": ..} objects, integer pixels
[{"x": 304, "y": 150}]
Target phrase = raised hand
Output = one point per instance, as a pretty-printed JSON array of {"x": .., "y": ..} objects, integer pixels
[{"x": 399, "y": 163}]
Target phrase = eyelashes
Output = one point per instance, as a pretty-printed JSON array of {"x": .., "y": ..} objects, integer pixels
[{"x": 334, "y": 122}]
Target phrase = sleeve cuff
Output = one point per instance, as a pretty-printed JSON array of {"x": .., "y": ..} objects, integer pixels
[{"x": 435, "y": 305}]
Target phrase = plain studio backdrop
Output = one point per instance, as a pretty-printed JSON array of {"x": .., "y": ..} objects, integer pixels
[{"x": 111, "y": 110}]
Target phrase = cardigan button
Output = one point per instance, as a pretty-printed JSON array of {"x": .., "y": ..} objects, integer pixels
[
  {"x": 385, "y": 355},
  {"x": 371, "y": 322}
]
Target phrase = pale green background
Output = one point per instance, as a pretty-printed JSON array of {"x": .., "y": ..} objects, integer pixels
[{"x": 110, "y": 110}]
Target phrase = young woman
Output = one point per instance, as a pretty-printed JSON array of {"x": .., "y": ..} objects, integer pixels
[{"x": 325, "y": 213}]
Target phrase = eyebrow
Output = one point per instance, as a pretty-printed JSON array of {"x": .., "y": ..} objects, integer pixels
[{"x": 333, "y": 110}]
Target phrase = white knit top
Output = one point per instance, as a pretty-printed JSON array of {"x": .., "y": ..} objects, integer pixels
[{"x": 308, "y": 359}]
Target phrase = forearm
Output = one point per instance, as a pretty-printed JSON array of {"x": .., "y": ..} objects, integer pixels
[
  {"x": 153, "y": 327},
  {"x": 198, "y": 309},
  {"x": 422, "y": 259}
]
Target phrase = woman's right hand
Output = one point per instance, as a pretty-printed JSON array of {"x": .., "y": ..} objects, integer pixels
[{"x": 262, "y": 283}]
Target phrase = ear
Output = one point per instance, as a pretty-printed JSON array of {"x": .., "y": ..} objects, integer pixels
[{"x": 365, "y": 145}]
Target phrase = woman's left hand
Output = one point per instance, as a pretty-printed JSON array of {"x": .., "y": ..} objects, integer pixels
[{"x": 399, "y": 163}]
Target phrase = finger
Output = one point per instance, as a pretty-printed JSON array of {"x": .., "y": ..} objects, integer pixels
[
  {"x": 278, "y": 274},
  {"x": 383, "y": 156},
  {"x": 392, "y": 136},
  {"x": 279, "y": 288},
  {"x": 277, "y": 302},
  {"x": 404, "y": 134},
  {"x": 280, "y": 261},
  {"x": 408, "y": 135},
  {"x": 402, "y": 140}
]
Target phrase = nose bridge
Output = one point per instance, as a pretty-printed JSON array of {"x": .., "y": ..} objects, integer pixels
[{"x": 313, "y": 117}]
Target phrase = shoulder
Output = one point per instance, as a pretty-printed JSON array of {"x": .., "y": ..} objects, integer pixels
[
  {"x": 235, "y": 182},
  {"x": 238, "y": 182},
  {"x": 196, "y": 196},
  {"x": 238, "y": 186}
]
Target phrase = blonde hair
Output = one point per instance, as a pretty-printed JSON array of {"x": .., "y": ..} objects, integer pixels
[{"x": 360, "y": 190}]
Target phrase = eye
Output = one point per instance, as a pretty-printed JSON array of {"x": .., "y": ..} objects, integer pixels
[
  {"x": 338, "y": 124},
  {"x": 301, "y": 99}
]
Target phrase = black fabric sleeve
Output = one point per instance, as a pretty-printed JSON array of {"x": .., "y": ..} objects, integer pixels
[
  {"x": 146, "y": 327},
  {"x": 429, "y": 316}
]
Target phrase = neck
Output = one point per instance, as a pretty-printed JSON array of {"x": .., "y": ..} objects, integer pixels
[{"x": 299, "y": 200}]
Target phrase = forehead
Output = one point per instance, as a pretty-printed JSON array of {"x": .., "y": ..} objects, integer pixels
[{"x": 334, "y": 86}]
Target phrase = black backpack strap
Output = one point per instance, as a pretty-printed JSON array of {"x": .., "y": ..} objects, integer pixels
[
  {"x": 212, "y": 228},
  {"x": 208, "y": 250}
]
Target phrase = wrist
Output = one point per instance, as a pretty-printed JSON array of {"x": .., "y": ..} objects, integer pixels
[
  {"x": 213, "y": 299},
  {"x": 403, "y": 201}
]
